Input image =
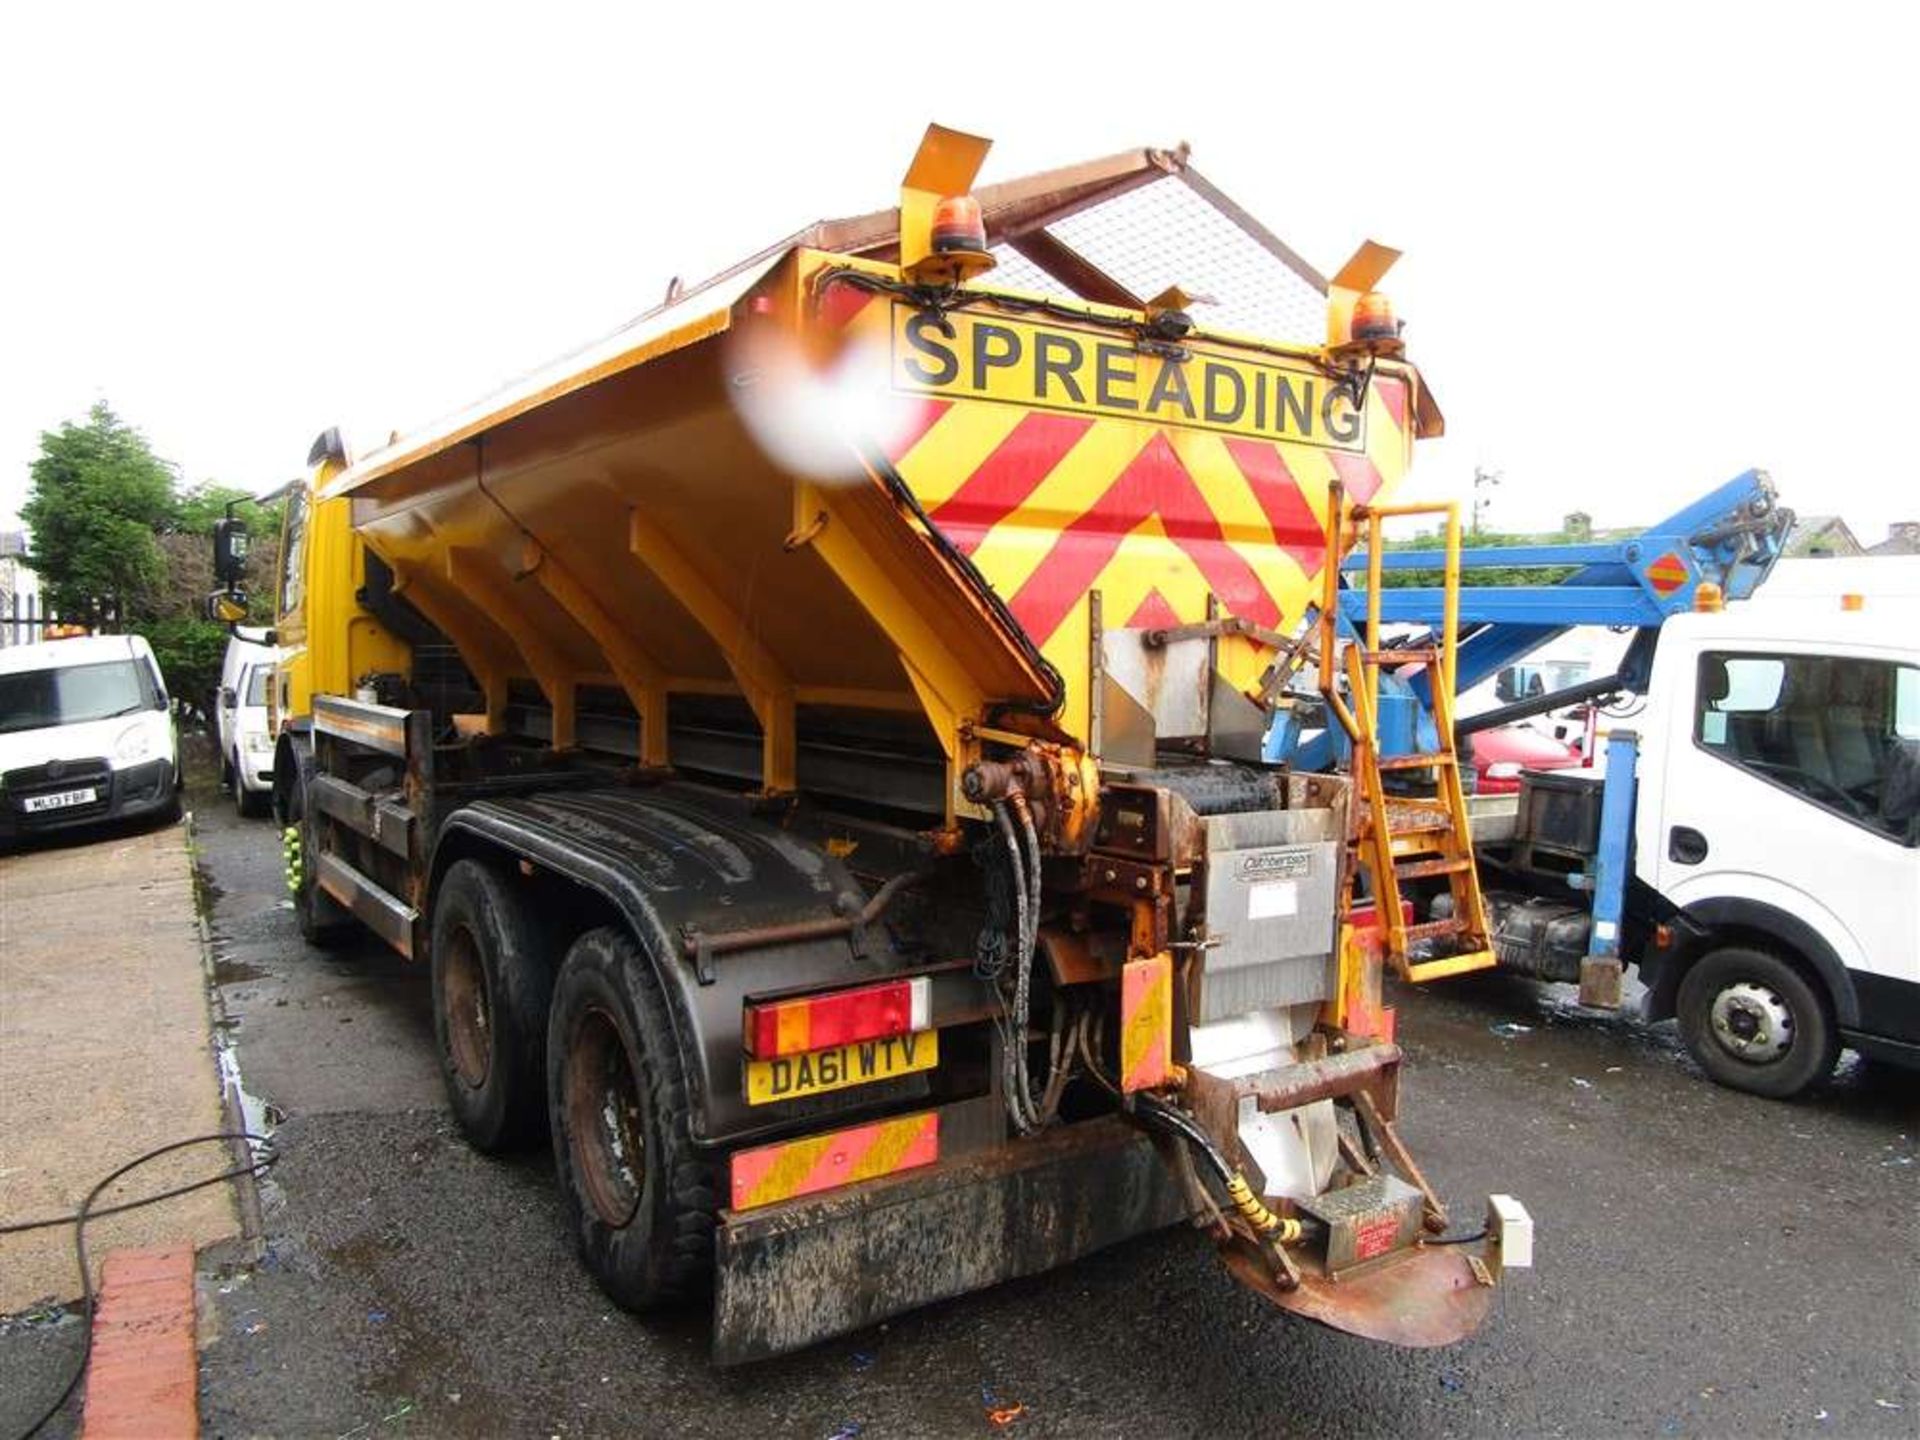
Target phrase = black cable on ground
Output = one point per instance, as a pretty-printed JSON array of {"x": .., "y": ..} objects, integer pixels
[{"x": 86, "y": 1212}]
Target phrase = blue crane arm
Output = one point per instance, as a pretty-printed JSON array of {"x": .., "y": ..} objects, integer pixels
[{"x": 1730, "y": 537}]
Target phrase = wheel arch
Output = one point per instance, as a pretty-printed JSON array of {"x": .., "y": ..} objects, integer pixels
[
  {"x": 1707, "y": 925},
  {"x": 594, "y": 848}
]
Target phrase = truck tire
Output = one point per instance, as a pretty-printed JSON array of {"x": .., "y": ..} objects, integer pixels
[
  {"x": 323, "y": 921},
  {"x": 638, "y": 1196},
  {"x": 492, "y": 980},
  {"x": 1755, "y": 1023}
]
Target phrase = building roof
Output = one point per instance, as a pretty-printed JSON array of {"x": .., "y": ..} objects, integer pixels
[
  {"x": 1822, "y": 535},
  {"x": 1903, "y": 538}
]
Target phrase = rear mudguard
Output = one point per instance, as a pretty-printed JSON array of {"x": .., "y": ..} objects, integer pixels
[{"x": 784, "y": 1274}]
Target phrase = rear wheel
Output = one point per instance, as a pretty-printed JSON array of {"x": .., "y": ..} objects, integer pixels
[
  {"x": 492, "y": 979},
  {"x": 639, "y": 1197},
  {"x": 1755, "y": 1023}
]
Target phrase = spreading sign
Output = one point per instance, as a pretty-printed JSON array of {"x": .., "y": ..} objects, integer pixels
[{"x": 1098, "y": 372}]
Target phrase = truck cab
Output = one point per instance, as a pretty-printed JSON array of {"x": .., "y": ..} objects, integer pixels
[
  {"x": 329, "y": 638},
  {"x": 1779, "y": 814}
]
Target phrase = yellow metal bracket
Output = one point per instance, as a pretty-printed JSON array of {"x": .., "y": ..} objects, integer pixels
[
  {"x": 945, "y": 165},
  {"x": 946, "y": 693},
  {"x": 639, "y": 673},
  {"x": 484, "y": 584},
  {"x": 1364, "y": 271},
  {"x": 476, "y": 647},
  {"x": 761, "y": 677}
]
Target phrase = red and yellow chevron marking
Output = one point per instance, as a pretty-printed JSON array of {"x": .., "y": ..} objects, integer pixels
[
  {"x": 1062, "y": 460},
  {"x": 1668, "y": 573},
  {"x": 772, "y": 1173},
  {"x": 1053, "y": 503},
  {"x": 1146, "y": 1022}
]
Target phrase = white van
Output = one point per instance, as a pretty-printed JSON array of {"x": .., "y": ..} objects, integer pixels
[
  {"x": 248, "y": 761},
  {"x": 245, "y": 646},
  {"x": 85, "y": 735}
]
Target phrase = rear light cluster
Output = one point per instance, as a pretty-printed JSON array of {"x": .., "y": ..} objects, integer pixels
[{"x": 839, "y": 1017}]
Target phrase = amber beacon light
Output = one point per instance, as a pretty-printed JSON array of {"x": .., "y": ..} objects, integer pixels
[
  {"x": 958, "y": 226},
  {"x": 1373, "y": 319}
]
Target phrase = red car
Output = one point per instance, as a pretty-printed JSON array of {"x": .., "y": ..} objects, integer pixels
[{"x": 1500, "y": 755}]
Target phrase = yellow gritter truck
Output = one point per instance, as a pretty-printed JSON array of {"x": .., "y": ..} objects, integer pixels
[{"x": 813, "y": 736}]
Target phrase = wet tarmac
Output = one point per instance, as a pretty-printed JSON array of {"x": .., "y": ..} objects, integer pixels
[{"x": 1707, "y": 1263}]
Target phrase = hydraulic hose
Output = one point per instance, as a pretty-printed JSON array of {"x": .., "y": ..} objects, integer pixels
[
  {"x": 1280, "y": 1229},
  {"x": 1020, "y": 1104}
]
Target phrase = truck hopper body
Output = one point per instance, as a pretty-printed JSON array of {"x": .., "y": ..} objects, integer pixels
[{"x": 902, "y": 770}]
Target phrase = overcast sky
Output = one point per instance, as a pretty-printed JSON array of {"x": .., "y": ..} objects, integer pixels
[{"x": 1646, "y": 247}]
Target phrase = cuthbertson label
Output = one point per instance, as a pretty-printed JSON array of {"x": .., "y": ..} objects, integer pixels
[
  {"x": 1058, "y": 367},
  {"x": 1275, "y": 865}
]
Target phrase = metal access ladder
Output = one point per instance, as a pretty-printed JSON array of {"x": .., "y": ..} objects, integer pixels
[{"x": 1402, "y": 836}]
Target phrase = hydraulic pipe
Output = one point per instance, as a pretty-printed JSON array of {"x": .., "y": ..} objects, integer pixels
[
  {"x": 794, "y": 932},
  {"x": 1541, "y": 704}
]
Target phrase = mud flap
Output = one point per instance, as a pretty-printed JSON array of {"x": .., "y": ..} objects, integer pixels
[
  {"x": 1424, "y": 1297},
  {"x": 802, "y": 1271}
]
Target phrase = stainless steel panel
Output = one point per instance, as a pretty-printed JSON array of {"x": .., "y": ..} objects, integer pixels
[{"x": 1270, "y": 912}]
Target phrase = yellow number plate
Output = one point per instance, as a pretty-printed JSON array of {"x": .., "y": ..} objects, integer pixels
[{"x": 819, "y": 1071}]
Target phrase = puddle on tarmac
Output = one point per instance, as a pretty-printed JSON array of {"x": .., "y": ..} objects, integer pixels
[{"x": 232, "y": 972}]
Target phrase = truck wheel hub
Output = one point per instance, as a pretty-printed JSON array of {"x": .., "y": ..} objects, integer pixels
[
  {"x": 604, "y": 1127},
  {"x": 464, "y": 999},
  {"x": 1752, "y": 1022}
]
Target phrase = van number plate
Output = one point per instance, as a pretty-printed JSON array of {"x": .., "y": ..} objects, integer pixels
[
  {"x": 59, "y": 800},
  {"x": 839, "y": 1066}
]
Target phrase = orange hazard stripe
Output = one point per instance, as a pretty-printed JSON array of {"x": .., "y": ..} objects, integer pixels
[
  {"x": 770, "y": 1173},
  {"x": 1146, "y": 1022}
]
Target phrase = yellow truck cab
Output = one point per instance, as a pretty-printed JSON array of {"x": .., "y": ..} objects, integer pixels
[
  {"x": 813, "y": 735},
  {"x": 329, "y": 638}
]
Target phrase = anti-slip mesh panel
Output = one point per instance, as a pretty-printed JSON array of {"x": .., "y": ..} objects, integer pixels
[
  {"x": 1167, "y": 233},
  {"x": 1014, "y": 271}
]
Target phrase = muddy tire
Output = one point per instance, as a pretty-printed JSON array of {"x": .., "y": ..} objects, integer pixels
[
  {"x": 638, "y": 1197},
  {"x": 492, "y": 979},
  {"x": 1755, "y": 1023},
  {"x": 323, "y": 921}
]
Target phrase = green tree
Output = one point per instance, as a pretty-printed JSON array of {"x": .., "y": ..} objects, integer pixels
[
  {"x": 98, "y": 500},
  {"x": 121, "y": 547},
  {"x": 1495, "y": 575}
]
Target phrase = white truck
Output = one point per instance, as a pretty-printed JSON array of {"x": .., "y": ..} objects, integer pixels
[{"x": 1772, "y": 899}]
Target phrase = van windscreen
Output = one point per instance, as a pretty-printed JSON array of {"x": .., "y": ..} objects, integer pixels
[{"x": 72, "y": 695}]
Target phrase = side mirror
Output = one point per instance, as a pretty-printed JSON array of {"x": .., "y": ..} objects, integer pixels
[
  {"x": 1506, "y": 686},
  {"x": 227, "y": 607},
  {"x": 229, "y": 697},
  {"x": 230, "y": 551}
]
